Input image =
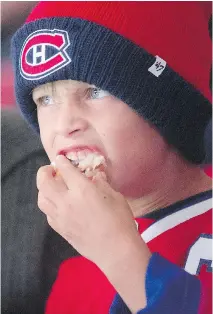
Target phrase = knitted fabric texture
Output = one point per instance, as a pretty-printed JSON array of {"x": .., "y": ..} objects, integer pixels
[{"x": 154, "y": 56}]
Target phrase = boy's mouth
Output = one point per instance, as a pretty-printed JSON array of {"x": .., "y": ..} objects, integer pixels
[
  {"x": 89, "y": 163},
  {"x": 88, "y": 160}
]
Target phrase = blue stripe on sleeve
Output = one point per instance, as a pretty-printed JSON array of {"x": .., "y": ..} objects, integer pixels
[{"x": 169, "y": 290}]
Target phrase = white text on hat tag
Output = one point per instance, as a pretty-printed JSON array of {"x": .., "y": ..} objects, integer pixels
[{"x": 158, "y": 67}]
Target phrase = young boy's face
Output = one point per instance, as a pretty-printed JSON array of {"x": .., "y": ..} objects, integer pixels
[{"x": 72, "y": 113}]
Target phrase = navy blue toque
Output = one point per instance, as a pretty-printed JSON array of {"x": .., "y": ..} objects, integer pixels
[{"x": 145, "y": 53}]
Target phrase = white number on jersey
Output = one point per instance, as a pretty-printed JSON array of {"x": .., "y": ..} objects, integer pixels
[{"x": 200, "y": 253}]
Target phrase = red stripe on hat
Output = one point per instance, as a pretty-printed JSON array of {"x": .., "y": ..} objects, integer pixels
[{"x": 176, "y": 31}]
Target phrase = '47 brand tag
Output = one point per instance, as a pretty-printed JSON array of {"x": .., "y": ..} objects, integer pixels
[{"x": 158, "y": 67}]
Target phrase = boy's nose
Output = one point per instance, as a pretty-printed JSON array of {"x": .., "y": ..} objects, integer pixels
[{"x": 70, "y": 120}]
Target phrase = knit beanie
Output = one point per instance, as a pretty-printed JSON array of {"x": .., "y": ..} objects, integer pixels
[{"x": 154, "y": 56}]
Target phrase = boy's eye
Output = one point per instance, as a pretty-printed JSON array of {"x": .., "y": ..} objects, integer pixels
[
  {"x": 97, "y": 93},
  {"x": 45, "y": 101}
]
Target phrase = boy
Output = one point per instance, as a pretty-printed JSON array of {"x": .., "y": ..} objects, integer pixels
[{"x": 126, "y": 83}]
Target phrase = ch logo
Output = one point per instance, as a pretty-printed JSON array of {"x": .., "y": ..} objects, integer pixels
[{"x": 43, "y": 53}]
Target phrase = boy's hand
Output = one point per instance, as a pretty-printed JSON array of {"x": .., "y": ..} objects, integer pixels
[
  {"x": 90, "y": 215},
  {"x": 99, "y": 224}
]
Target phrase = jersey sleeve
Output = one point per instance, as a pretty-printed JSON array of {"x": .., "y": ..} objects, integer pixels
[{"x": 169, "y": 290}]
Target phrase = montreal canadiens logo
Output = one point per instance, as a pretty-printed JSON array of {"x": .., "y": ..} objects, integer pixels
[{"x": 43, "y": 53}]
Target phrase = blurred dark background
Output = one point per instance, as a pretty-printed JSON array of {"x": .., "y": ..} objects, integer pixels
[{"x": 13, "y": 15}]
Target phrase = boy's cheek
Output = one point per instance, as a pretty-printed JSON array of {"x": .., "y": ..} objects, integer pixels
[{"x": 47, "y": 140}]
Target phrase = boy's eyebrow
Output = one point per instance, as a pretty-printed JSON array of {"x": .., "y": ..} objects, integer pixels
[
  {"x": 44, "y": 88},
  {"x": 51, "y": 86}
]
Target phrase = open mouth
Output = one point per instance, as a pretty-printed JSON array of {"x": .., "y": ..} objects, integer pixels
[{"x": 89, "y": 163}]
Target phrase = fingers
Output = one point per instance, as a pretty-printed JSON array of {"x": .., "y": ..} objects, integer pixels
[
  {"x": 50, "y": 210},
  {"x": 52, "y": 187},
  {"x": 43, "y": 174},
  {"x": 72, "y": 177},
  {"x": 79, "y": 185},
  {"x": 47, "y": 206}
]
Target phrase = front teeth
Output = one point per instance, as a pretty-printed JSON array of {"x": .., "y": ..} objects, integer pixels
[
  {"x": 77, "y": 156},
  {"x": 85, "y": 160},
  {"x": 98, "y": 160},
  {"x": 89, "y": 163},
  {"x": 72, "y": 156},
  {"x": 81, "y": 155}
]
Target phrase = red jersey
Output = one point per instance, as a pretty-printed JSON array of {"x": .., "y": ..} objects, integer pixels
[{"x": 181, "y": 233}]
